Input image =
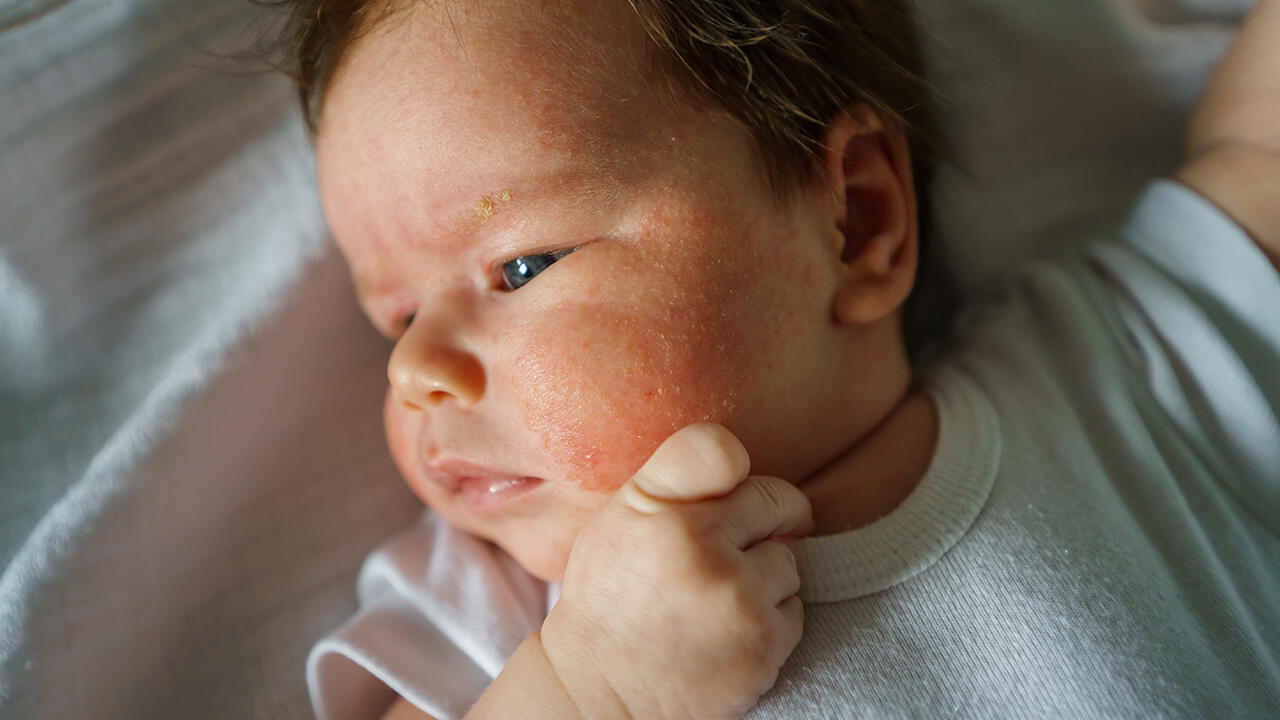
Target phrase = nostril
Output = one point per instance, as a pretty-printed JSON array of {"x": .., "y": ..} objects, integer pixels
[{"x": 436, "y": 397}]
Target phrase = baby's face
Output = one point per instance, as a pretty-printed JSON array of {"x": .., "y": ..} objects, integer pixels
[{"x": 458, "y": 158}]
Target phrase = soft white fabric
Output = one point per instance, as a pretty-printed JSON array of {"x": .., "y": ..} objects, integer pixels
[
  {"x": 156, "y": 203},
  {"x": 440, "y": 614},
  {"x": 1097, "y": 535},
  {"x": 1057, "y": 115}
]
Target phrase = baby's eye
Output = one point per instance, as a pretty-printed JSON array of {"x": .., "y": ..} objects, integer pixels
[{"x": 516, "y": 273}]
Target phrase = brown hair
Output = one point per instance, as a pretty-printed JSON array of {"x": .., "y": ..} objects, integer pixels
[{"x": 783, "y": 68}]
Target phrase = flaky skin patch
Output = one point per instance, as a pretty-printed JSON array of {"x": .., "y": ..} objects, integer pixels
[{"x": 486, "y": 205}]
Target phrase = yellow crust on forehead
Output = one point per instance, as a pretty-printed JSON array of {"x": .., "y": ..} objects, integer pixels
[{"x": 486, "y": 205}]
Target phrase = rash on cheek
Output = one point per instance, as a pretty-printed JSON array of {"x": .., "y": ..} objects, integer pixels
[
  {"x": 621, "y": 369},
  {"x": 600, "y": 406}
]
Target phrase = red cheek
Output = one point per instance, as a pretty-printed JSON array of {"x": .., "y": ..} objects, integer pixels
[
  {"x": 599, "y": 415},
  {"x": 610, "y": 375},
  {"x": 603, "y": 389}
]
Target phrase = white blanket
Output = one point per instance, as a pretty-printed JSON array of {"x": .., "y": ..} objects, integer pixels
[{"x": 191, "y": 465}]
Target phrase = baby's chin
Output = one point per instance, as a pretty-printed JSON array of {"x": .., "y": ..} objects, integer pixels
[
  {"x": 540, "y": 560},
  {"x": 540, "y": 555},
  {"x": 547, "y": 567}
]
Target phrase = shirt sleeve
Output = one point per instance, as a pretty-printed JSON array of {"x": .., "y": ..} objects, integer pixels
[
  {"x": 440, "y": 613},
  {"x": 1200, "y": 305}
]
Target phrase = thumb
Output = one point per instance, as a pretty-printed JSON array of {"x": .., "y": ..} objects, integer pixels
[{"x": 697, "y": 462}]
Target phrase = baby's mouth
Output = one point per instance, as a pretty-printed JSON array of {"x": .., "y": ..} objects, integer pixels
[
  {"x": 482, "y": 489},
  {"x": 485, "y": 495}
]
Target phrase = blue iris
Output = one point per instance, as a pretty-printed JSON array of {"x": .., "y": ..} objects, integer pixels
[{"x": 516, "y": 273}]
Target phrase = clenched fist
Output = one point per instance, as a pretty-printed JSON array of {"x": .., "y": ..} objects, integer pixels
[{"x": 679, "y": 601}]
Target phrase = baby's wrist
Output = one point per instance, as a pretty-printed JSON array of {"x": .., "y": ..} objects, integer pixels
[
  {"x": 578, "y": 673},
  {"x": 1243, "y": 180},
  {"x": 530, "y": 686}
]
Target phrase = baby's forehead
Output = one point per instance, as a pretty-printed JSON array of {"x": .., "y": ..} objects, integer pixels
[
  {"x": 487, "y": 82},
  {"x": 565, "y": 50},
  {"x": 423, "y": 111}
]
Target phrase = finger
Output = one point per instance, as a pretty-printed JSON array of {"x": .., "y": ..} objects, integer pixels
[
  {"x": 762, "y": 507},
  {"x": 697, "y": 462},
  {"x": 769, "y": 567},
  {"x": 789, "y": 628}
]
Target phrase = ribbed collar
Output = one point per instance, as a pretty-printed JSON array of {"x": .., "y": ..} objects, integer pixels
[{"x": 931, "y": 520}]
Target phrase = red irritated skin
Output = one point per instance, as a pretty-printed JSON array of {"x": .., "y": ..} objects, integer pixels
[{"x": 690, "y": 294}]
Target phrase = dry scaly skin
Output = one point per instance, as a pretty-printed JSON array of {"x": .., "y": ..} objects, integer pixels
[{"x": 486, "y": 205}]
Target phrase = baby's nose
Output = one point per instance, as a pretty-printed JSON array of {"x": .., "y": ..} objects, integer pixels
[{"x": 426, "y": 368}]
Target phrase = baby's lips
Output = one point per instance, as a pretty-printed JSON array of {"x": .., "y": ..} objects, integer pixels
[{"x": 451, "y": 472}]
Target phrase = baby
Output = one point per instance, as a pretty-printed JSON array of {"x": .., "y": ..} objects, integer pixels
[{"x": 644, "y": 265}]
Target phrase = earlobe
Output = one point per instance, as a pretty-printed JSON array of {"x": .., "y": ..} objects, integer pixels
[
  {"x": 868, "y": 166},
  {"x": 869, "y": 300}
]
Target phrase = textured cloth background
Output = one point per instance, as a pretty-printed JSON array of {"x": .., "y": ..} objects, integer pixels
[
  {"x": 156, "y": 203},
  {"x": 152, "y": 206},
  {"x": 190, "y": 459}
]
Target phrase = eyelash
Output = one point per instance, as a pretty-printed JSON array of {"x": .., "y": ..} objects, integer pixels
[{"x": 557, "y": 255}]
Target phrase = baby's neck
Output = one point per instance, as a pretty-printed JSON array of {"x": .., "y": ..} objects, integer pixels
[{"x": 871, "y": 478}]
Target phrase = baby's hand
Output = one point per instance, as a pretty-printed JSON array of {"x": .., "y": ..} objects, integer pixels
[
  {"x": 1241, "y": 103},
  {"x": 1233, "y": 143},
  {"x": 677, "y": 602}
]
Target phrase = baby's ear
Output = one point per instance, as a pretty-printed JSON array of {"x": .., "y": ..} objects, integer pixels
[{"x": 873, "y": 224}]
